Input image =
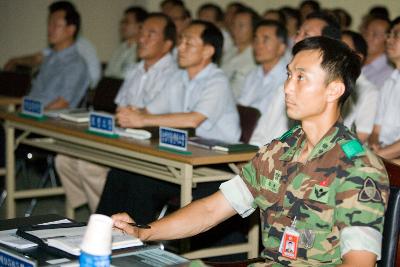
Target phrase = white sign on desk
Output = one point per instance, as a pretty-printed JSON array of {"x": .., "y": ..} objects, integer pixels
[
  {"x": 173, "y": 138},
  {"x": 101, "y": 123},
  {"x": 32, "y": 107}
]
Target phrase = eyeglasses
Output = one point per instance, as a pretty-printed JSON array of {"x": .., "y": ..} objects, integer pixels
[{"x": 395, "y": 35}]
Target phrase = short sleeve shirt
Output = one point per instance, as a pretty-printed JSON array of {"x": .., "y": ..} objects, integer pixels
[
  {"x": 389, "y": 109},
  {"x": 62, "y": 74},
  {"x": 122, "y": 59},
  {"x": 209, "y": 94},
  {"x": 141, "y": 87},
  {"x": 378, "y": 71},
  {"x": 342, "y": 184}
]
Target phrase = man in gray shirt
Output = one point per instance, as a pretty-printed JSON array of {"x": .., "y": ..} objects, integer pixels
[{"x": 63, "y": 76}]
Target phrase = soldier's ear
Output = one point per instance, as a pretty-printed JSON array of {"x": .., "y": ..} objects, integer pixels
[{"x": 335, "y": 90}]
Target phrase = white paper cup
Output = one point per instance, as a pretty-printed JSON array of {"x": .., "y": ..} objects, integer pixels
[{"x": 97, "y": 238}]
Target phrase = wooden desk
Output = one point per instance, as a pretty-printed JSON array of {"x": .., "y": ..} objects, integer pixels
[
  {"x": 138, "y": 156},
  {"x": 9, "y": 103}
]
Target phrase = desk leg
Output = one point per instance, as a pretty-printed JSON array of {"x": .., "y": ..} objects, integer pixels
[
  {"x": 186, "y": 184},
  {"x": 10, "y": 169}
]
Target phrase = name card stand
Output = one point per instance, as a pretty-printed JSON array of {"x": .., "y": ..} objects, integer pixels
[
  {"x": 32, "y": 109},
  {"x": 173, "y": 140},
  {"x": 102, "y": 124}
]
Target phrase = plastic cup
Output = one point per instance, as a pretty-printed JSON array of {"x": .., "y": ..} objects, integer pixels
[{"x": 97, "y": 238}]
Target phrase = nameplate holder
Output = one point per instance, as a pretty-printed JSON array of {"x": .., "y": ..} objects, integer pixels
[
  {"x": 9, "y": 258},
  {"x": 173, "y": 138},
  {"x": 101, "y": 123},
  {"x": 32, "y": 108}
]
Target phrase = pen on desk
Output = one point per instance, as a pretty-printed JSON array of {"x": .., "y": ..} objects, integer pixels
[{"x": 143, "y": 226}]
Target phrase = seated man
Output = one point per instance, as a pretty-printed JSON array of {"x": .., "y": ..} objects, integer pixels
[
  {"x": 197, "y": 96},
  {"x": 377, "y": 68},
  {"x": 315, "y": 184},
  {"x": 359, "y": 110},
  {"x": 385, "y": 138},
  {"x": 124, "y": 57},
  {"x": 239, "y": 61},
  {"x": 85, "y": 49},
  {"x": 84, "y": 181},
  {"x": 63, "y": 76},
  {"x": 263, "y": 85}
]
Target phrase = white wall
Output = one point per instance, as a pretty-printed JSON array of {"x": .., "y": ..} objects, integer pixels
[{"x": 23, "y": 22}]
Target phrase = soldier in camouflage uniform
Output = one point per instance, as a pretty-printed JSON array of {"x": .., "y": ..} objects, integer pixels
[{"x": 321, "y": 194}]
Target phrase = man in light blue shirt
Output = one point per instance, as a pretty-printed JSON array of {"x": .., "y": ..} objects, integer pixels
[
  {"x": 197, "y": 96},
  {"x": 63, "y": 76}
]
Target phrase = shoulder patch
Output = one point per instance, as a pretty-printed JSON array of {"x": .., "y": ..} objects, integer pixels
[
  {"x": 352, "y": 148},
  {"x": 369, "y": 192}
]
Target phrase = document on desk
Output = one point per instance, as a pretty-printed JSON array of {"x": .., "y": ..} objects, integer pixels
[{"x": 69, "y": 239}]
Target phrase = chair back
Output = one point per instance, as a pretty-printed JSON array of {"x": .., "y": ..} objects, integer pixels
[
  {"x": 104, "y": 94},
  {"x": 248, "y": 121},
  {"x": 390, "y": 242},
  {"x": 14, "y": 84}
]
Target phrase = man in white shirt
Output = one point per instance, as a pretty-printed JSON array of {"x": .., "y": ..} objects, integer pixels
[
  {"x": 263, "y": 83},
  {"x": 214, "y": 14},
  {"x": 359, "y": 110},
  {"x": 84, "y": 181},
  {"x": 316, "y": 24},
  {"x": 239, "y": 61},
  {"x": 198, "y": 96},
  {"x": 385, "y": 138},
  {"x": 124, "y": 57},
  {"x": 377, "y": 67}
]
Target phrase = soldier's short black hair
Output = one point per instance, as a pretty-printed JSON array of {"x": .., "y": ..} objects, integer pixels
[
  {"x": 379, "y": 11},
  {"x": 290, "y": 12},
  {"x": 219, "y": 14},
  {"x": 211, "y": 35},
  {"x": 359, "y": 42},
  {"x": 280, "y": 29},
  {"x": 72, "y": 16},
  {"x": 139, "y": 13},
  {"x": 332, "y": 28},
  {"x": 338, "y": 61},
  {"x": 169, "y": 29}
]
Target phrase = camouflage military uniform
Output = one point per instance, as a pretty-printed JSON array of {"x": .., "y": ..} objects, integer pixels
[{"x": 341, "y": 184}]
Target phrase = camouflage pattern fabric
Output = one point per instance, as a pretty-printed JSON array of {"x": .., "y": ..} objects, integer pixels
[{"x": 341, "y": 184}]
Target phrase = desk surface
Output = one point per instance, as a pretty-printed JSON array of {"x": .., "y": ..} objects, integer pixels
[
  {"x": 7, "y": 100},
  {"x": 199, "y": 156}
]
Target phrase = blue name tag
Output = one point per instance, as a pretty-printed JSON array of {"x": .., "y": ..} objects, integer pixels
[
  {"x": 173, "y": 138},
  {"x": 32, "y": 107},
  {"x": 101, "y": 123},
  {"x": 8, "y": 259}
]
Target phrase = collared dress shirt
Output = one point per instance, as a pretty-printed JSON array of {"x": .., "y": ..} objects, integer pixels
[
  {"x": 62, "y": 74},
  {"x": 236, "y": 66},
  {"x": 378, "y": 71},
  {"x": 360, "y": 108},
  {"x": 123, "y": 59},
  {"x": 259, "y": 88},
  {"x": 388, "y": 115},
  {"x": 207, "y": 93},
  {"x": 141, "y": 87}
]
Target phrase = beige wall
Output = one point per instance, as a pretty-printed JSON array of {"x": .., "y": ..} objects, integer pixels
[{"x": 23, "y": 22}]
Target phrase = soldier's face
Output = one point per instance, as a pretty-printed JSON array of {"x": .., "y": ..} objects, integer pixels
[{"x": 306, "y": 93}]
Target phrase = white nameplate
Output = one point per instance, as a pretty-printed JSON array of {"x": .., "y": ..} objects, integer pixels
[
  {"x": 32, "y": 107},
  {"x": 173, "y": 138},
  {"x": 101, "y": 123}
]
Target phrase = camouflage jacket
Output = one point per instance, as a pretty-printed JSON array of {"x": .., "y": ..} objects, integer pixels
[{"x": 341, "y": 184}]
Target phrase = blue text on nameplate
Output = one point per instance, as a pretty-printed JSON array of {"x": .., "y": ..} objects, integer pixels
[
  {"x": 101, "y": 123},
  {"x": 173, "y": 138},
  {"x": 9, "y": 259},
  {"x": 32, "y": 107}
]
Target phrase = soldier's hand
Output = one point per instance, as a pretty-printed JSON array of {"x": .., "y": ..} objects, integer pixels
[{"x": 122, "y": 222}]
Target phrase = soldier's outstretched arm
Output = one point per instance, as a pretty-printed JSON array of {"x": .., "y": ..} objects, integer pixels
[
  {"x": 358, "y": 258},
  {"x": 197, "y": 217}
]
